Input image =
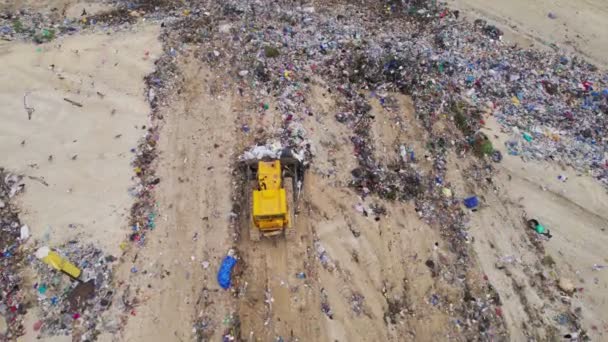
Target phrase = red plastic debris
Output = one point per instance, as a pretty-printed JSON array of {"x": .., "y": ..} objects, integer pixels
[{"x": 37, "y": 325}]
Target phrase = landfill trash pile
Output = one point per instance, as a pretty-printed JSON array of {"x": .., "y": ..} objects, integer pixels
[
  {"x": 276, "y": 51},
  {"x": 159, "y": 84},
  {"x": 72, "y": 307},
  {"x": 454, "y": 71},
  {"x": 259, "y": 64},
  {"x": 28, "y": 25},
  {"x": 449, "y": 64},
  {"x": 39, "y": 27},
  {"x": 143, "y": 210},
  {"x": 12, "y": 298},
  {"x": 553, "y": 105},
  {"x": 273, "y": 150}
]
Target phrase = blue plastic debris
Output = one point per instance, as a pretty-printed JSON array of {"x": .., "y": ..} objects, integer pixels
[
  {"x": 434, "y": 299},
  {"x": 471, "y": 202},
  {"x": 225, "y": 273}
]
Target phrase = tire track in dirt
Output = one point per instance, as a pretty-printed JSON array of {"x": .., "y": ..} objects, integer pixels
[
  {"x": 273, "y": 301},
  {"x": 375, "y": 269},
  {"x": 175, "y": 285}
]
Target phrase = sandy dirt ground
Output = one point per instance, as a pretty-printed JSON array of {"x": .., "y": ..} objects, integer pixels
[
  {"x": 76, "y": 159},
  {"x": 373, "y": 275},
  {"x": 177, "y": 269},
  {"x": 574, "y": 210},
  {"x": 350, "y": 275}
]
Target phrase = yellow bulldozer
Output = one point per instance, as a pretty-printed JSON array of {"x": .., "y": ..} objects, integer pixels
[{"x": 271, "y": 196}]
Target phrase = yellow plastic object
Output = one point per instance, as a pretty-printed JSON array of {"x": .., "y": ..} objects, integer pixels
[
  {"x": 447, "y": 192},
  {"x": 56, "y": 261}
]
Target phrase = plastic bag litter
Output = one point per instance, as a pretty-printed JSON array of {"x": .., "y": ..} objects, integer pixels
[
  {"x": 24, "y": 232},
  {"x": 224, "y": 275},
  {"x": 471, "y": 202},
  {"x": 272, "y": 151},
  {"x": 259, "y": 152}
]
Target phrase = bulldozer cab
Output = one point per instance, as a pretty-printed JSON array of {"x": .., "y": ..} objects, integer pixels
[
  {"x": 269, "y": 175},
  {"x": 271, "y": 194},
  {"x": 269, "y": 200}
]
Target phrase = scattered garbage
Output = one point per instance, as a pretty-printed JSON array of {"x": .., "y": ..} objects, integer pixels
[
  {"x": 272, "y": 150},
  {"x": 24, "y": 232},
  {"x": 496, "y": 156},
  {"x": 72, "y": 102},
  {"x": 508, "y": 259},
  {"x": 62, "y": 299},
  {"x": 325, "y": 304},
  {"x": 12, "y": 235},
  {"x": 324, "y": 258},
  {"x": 539, "y": 228},
  {"x": 597, "y": 267},
  {"x": 357, "y": 303},
  {"x": 434, "y": 300},
  {"x": 449, "y": 67},
  {"x": 471, "y": 202},
  {"x": 566, "y": 285}
]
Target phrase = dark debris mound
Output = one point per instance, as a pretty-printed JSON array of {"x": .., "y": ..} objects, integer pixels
[{"x": 12, "y": 301}]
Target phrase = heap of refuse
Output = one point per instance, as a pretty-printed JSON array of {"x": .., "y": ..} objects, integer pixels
[
  {"x": 352, "y": 54},
  {"x": 43, "y": 27},
  {"x": 272, "y": 150},
  {"x": 74, "y": 307},
  {"x": 12, "y": 236},
  {"x": 159, "y": 84},
  {"x": 554, "y": 106}
]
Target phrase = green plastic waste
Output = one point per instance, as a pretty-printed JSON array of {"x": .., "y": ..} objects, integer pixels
[{"x": 540, "y": 229}]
